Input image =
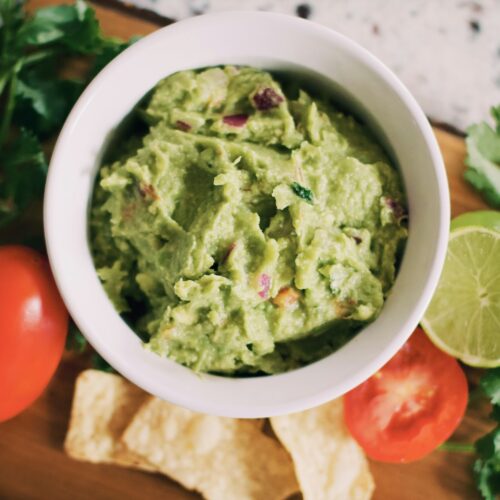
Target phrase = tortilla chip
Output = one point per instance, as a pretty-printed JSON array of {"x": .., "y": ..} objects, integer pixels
[
  {"x": 329, "y": 464},
  {"x": 103, "y": 405},
  {"x": 222, "y": 458}
]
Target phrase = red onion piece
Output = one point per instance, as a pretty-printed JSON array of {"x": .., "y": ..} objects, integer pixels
[
  {"x": 265, "y": 283},
  {"x": 266, "y": 99},
  {"x": 235, "y": 120}
]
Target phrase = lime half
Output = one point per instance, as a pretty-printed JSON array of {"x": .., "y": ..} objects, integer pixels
[{"x": 463, "y": 318}]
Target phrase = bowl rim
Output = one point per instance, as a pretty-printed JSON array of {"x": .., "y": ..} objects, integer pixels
[{"x": 279, "y": 406}]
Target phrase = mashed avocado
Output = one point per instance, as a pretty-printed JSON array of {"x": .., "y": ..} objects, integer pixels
[{"x": 247, "y": 231}]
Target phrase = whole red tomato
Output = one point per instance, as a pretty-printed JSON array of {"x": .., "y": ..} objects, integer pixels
[{"x": 33, "y": 327}]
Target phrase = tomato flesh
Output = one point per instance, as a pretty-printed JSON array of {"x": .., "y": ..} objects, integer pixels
[
  {"x": 33, "y": 327},
  {"x": 410, "y": 406}
]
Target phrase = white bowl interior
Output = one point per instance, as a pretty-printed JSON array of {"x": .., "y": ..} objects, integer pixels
[{"x": 273, "y": 42}]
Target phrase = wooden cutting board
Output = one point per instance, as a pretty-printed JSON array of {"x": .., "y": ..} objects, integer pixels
[{"x": 32, "y": 461}]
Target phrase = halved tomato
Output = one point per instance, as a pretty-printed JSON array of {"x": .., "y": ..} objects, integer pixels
[{"x": 410, "y": 406}]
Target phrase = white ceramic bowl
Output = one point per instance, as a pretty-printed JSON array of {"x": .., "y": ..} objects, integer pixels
[{"x": 275, "y": 42}]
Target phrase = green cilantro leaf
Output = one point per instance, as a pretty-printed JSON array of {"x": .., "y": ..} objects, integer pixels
[
  {"x": 42, "y": 103},
  {"x": 99, "y": 363},
  {"x": 11, "y": 19},
  {"x": 109, "y": 50},
  {"x": 11, "y": 12},
  {"x": 75, "y": 341},
  {"x": 487, "y": 475},
  {"x": 72, "y": 26},
  {"x": 495, "y": 413},
  {"x": 23, "y": 172},
  {"x": 487, "y": 466},
  {"x": 483, "y": 158},
  {"x": 302, "y": 192},
  {"x": 490, "y": 384},
  {"x": 489, "y": 446}
]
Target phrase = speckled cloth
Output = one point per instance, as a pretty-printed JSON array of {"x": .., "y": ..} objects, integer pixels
[{"x": 447, "y": 52}]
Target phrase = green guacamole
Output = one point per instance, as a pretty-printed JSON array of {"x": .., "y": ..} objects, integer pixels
[{"x": 246, "y": 230}]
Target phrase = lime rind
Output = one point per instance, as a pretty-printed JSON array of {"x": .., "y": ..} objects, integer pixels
[
  {"x": 463, "y": 318},
  {"x": 489, "y": 219}
]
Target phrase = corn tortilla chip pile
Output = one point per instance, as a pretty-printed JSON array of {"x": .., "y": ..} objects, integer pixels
[{"x": 112, "y": 421}]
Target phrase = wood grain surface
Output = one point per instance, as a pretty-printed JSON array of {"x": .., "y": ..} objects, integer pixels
[{"x": 34, "y": 466}]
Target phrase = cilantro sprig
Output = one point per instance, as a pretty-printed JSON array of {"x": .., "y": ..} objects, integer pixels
[
  {"x": 487, "y": 465},
  {"x": 487, "y": 448},
  {"x": 483, "y": 158},
  {"x": 35, "y": 97}
]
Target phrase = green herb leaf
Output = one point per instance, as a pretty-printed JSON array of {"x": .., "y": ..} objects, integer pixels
[
  {"x": 495, "y": 413},
  {"x": 487, "y": 475},
  {"x": 11, "y": 12},
  {"x": 302, "y": 192},
  {"x": 99, "y": 363},
  {"x": 483, "y": 159},
  {"x": 75, "y": 341},
  {"x": 109, "y": 50},
  {"x": 23, "y": 172},
  {"x": 490, "y": 384},
  {"x": 487, "y": 466},
  {"x": 11, "y": 18},
  {"x": 43, "y": 103},
  {"x": 72, "y": 26},
  {"x": 489, "y": 446}
]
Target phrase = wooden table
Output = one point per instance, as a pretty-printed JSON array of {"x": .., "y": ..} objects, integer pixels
[{"x": 34, "y": 466}]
